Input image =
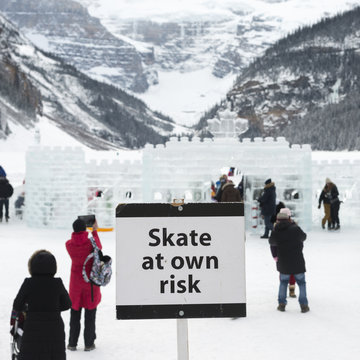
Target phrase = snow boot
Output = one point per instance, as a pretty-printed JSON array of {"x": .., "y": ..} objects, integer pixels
[
  {"x": 281, "y": 307},
  {"x": 71, "y": 348},
  {"x": 292, "y": 291},
  {"x": 337, "y": 227},
  {"x": 89, "y": 348},
  {"x": 304, "y": 308}
]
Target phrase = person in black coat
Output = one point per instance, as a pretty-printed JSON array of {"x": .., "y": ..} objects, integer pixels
[
  {"x": 288, "y": 239},
  {"x": 43, "y": 297},
  {"x": 334, "y": 206},
  {"x": 6, "y": 191},
  {"x": 268, "y": 206}
]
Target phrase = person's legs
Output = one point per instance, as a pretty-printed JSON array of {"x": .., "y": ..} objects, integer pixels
[
  {"x": 268, "y": 225},
  {"x": 2, "y": 203},
  {"x": 6, "y": 202},
  {"x": 300, "y": 279},
  {"x": 292, "y": 286},
  {"x": 89, "y": 332},
  {"x": 327, "y": 217},
  {"x": 75, "y": 326},
  {"x": 284, "y": 280},
  {"x": 332, "y": 215},
  {"x": 335, "y": 219}
]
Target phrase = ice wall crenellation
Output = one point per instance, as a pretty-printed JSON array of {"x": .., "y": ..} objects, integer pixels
[{"x": 60, "y": 185}]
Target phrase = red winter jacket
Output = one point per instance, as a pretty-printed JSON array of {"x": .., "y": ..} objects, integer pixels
[{"x": 79, "y": 247}]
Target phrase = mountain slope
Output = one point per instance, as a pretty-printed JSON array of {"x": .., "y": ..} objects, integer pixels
[
  {"x": 138, "y": 45},
  {"x": 65, "y": 28},
  {"x": 313, "y": 72},
  {"x": 34, "y": 83}
]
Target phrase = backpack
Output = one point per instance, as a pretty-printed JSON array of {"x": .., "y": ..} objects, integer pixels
[{"x": 101, "y": 270}]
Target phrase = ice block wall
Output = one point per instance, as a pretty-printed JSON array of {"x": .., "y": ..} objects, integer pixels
[
  {"x": 185, "y": 169},
  {"x": 110, "y": 183},
  {"x": 55, "y": 186}
]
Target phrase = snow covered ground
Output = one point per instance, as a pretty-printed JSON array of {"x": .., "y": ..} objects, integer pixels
[{"x": 329, "y": 331}]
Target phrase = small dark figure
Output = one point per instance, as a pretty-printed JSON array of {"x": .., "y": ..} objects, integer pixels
[
  {"x": 325, "y": 197},
  {"x": 229, "y": 193},
  {"x": 44, "y": 297},
  {"x": 268, "y": 206},
  {"x": 6, "y": 191},
  {"x": 223, "y": 180},
  {"x": 19, "y": 205},
  {"x": 334, "y": 206}
]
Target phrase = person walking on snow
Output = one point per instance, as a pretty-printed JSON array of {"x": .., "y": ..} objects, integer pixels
[
  {"x": 82, "y": 294},
  {"x": 334, "y": 206},
  {"x": 44, "y": 298},
  {"x": 325, "y": 197},
  {"x": 268, "y": 206},
  {"x": 288, "y": 238},
  {"x": 6, "y": 191},
  {"x": 280, "y": 208}
]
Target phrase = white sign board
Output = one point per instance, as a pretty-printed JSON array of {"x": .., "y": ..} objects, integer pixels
[{"x": 174, "y": 262}]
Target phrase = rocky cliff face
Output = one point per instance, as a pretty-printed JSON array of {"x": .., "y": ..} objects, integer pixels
[
  {"x": 65, "y": 28},
  {"x": 35, "y": 84}
]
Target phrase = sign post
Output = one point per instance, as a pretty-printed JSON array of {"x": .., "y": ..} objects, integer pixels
[{"x": 180, "y": 262}]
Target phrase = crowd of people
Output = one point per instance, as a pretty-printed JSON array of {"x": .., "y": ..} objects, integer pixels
[{"x": 42, "y": 297}]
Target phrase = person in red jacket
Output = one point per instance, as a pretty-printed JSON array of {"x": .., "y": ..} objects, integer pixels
[{"x": 81, "y": 294}]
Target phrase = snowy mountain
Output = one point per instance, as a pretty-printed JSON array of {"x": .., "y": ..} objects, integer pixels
[
  {"x": 305, "y": 87},
  {"x": 190, "y": 49},
  {"x": 65, "y": 28},
  {"x": 35, "y": 85}
]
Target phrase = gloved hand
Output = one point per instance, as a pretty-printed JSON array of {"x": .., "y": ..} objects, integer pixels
[
  {"x": 319, "y": 206},
  {"x": 14, "y": 316}
]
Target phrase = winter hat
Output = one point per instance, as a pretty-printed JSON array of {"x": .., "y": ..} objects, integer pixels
[
  {"x": 286, "y": 211},
  {"x": 79, "y": 225},
  {"x": 268, "y": 181},
  {"x": 282, "y": 216},
  {"x": 328, "y": 181},
  {"x": 42, "y": 262}
]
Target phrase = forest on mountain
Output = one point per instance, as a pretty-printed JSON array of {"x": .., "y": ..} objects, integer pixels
[{"x": 305, "y": 87}]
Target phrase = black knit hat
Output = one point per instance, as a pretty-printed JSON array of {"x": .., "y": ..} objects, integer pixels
[
  {"x": 79, "y": 225},
  {"x": 42, "y": 262},
  {"x": 268, "y": 181}
]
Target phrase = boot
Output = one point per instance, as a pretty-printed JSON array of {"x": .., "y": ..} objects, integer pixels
[
  {"x": 292, "y": 291},
  {"x": 337, "y": 227},
  {"x": 304, "y": 308},
  {"x": 281, "y": 307}
]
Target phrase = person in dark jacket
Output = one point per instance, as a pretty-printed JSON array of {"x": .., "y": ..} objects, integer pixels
[
  {"x": 288, "y": 239},
  {"x": 280, "y": 207},
  {"x": 6, "y": 191},
  {"x": 268, "y": 206},
  {"x": 230, "y": 193},
  {"x": 325, "y": 197},
  {"x": 334, "y": 205},
  {"x": 82, "y": 294},
  {"x": 219, "y": 184},
  {"x": 44, "y": 297}
]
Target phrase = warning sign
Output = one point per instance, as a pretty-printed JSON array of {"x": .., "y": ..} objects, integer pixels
[{"x": 180, "y": 261}]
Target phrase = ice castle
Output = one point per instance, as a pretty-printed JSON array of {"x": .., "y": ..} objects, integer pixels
[{"x": 60, "y": 185}]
